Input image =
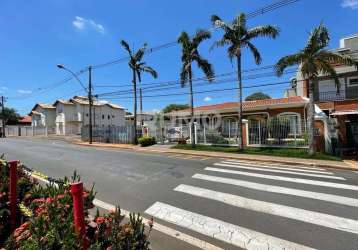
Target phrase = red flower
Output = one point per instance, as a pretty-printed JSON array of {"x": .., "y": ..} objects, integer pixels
[
  {"x": 100, "y": 220},
  {"x": 49, "y": 200}
]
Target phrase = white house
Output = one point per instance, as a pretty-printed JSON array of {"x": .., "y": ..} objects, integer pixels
[
  {"x": 44, "y": 115},
  {"x": 68, "y": 116}
]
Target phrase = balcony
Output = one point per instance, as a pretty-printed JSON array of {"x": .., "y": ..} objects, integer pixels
[
  {"x": 330, "y": 96},
  {"x": 74, "y": 117}
]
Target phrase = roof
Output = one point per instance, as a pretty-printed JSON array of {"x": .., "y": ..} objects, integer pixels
[
  {"x": 25, "y": 119},
  {"x": 44, "y": 106},
  {"x": 296, "y": 101},
  {"x": 84, "y": 101}
]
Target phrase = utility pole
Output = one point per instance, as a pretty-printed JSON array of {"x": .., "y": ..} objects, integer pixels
[
  {"x": 90, "y": 102},
  {"x": 2, "y": 116}
]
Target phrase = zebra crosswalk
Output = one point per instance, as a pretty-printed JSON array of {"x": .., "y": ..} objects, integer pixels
[{"x": 232, "y": 185}]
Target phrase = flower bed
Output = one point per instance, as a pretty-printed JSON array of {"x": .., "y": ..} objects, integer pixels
[{"x": 45, "y": 218}]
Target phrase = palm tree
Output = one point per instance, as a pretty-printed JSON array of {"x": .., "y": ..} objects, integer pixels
[
  {"x": 137, "y": 66},
  {"x": 189, "y": 55},
  {"x": 237, "y": 36},
  {"x": 314, "y": 60}
]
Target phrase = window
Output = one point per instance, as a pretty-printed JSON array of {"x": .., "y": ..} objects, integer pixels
[
  {"x": 112, "y": 116},
  {"x": 109, "y": 117},
  {"x": 87, "y": 114},
  {"x": 294, "y": 121},
  {"x": 353, "y": 81},
  {"x": 102, "y": 117}
]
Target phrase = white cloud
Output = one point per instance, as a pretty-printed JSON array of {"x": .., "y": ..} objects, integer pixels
[
  {"x": 82, "y": 24},
  {"x": 3, "y": 89},
  {"x": 24, "y": 91},
  {"x": 207, "y": 99},
  {"x": 353, "y": 4}
]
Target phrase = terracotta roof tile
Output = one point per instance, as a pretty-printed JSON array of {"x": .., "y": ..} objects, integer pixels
[
  {"x": 250, "y": 104},
  {"x": 25, "y": 119}
]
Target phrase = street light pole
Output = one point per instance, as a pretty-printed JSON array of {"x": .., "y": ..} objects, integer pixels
[
  {"x": 90, "y": 102},
  {"x": 89, "y": 92}
]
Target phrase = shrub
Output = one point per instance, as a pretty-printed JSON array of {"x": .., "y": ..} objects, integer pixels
[{"x": 146, "y": 141}]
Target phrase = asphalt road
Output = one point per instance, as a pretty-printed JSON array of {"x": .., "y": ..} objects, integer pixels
[{"x": 229, "y": 204}]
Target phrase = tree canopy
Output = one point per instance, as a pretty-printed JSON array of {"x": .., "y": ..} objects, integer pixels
[
  {"x": 175, "y": 107},
  {"x": 257, "y": 96},
  {"x": 10, "y": 116}
]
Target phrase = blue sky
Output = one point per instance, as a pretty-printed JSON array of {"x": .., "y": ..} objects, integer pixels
[{"x": 37, "y": 35}]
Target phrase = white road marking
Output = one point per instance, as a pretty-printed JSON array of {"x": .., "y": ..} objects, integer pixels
[
  {"x": 276, "y": 164},
  {"x": 163, "y": 229},
  {"x": 233, "y": 234},
  {"x": 280, "y": 171},
  {"x": 275, "y": 167},
  {"x": 320, "y": 219},
  {"x": 289, "y": 179},
  {"x": 281, "y": 190}
]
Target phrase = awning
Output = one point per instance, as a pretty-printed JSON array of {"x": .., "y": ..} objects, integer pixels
[{"x": 345, "y": 112}]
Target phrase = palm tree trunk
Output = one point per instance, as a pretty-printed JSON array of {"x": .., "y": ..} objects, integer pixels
[
  {"x": 135, "y": 108},
  {"x": 311, "y": 118},
  {"x": 240, "y": 141},
  {"x": 192, "y": 127}
]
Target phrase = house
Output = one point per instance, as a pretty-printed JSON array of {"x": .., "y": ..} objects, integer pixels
[
  {"x": 44, "y": 115},
  {"x": 341, "y": 106},
  {"x": 67, "y": 117},
  {"x": 270, "y": 122},
  {"x": 25, "y": 121},
  {"x": 145, "y": 122}
]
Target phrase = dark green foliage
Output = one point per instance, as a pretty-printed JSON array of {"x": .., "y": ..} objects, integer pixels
[
  {"x": 10, "y": 116},
  {"x": 175, "y": 107},
  {"x": 146, "y": 141},
  {"x": 257, "y": 96}
]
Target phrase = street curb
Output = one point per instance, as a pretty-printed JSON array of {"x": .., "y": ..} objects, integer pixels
[{"x": 203, "y": 153}]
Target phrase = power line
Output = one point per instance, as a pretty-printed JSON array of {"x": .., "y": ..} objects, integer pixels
[
  {"x": 206, "y": 91},
  {"x": 258, "y": 12},
  {"x": 205, "y": 83}
]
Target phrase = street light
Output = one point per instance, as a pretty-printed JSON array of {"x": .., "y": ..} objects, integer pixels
[{"x": 88, "y": 90}]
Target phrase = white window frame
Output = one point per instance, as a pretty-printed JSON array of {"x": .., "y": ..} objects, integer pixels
[{"x": 349, "y": 81}]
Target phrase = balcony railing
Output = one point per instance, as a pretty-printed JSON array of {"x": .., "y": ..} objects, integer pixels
[{"x": 330, "y": 96}]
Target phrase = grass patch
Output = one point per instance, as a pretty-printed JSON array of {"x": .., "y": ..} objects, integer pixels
[{"x": 284, "y": 152}]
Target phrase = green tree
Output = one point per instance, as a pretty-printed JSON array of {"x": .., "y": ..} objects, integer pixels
[
  {"x": 9, "y": 116},
  {"x": 190, "y": 54},
  {"x": 238, "y": 37},
  {"x": 175, "y": 107},
  {"x": 314, "y": 59},
  {"x": 257, "y": 96},
  {"x": 138, "y": 66}
]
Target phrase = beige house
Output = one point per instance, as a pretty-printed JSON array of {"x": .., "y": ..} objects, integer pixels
[
  {"x": 66, "y": 117},
  {"x": 44, "y": 115}
]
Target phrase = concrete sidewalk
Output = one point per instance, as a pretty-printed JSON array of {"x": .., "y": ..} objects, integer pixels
[{"x": 347, "y": 165}]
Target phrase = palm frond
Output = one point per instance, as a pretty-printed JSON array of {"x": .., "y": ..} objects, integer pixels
[
  {"x": 287, "y": 61},
  {"x": 327, "y": 69},
  {"x": 150, "y": 70},
  {"x": 140, "y": 53},
  {"x": 184, "y": 38},
  {"x": 206, "y": 67},
  {"x": 262, "y": 31},
  {"x": 255, "y": 52},
  {"x": 318, "y": 39},
  {"x": 200, "y": 36},
  {"x": 126, "y": 47},
  {"x": 335, "y": 58},
  {"x": 220, "y": 43},
  {"x": 240, "y": 21}
]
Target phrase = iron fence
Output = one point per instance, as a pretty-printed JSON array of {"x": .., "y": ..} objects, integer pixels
[{"x": 113, "y": 134}]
